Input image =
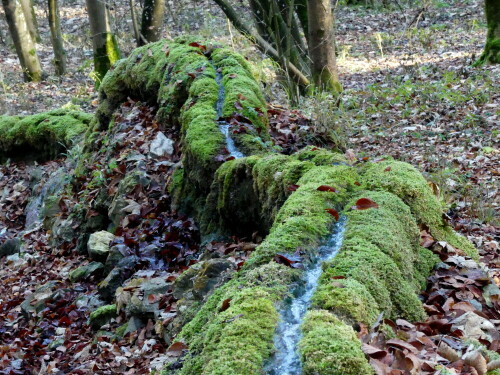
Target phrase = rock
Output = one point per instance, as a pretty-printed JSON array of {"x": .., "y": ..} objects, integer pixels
[
  {"x": 123, "y": 270},
  {"x": 85, "y": 271},
  {"x": 161, "y": 146},
  {"x": 144, "y": 299},
  {"x": 35, "y": 302},
  {"x": 474, "y": 326},
  {"x": 98, "y": 245},
  {"x": 89, "y": 301},
  {"x": 199, "y": 280},
  {"x": 62, "y": 231},
  {"x": 10, "y": 247},
  {"x": 102, "y": 316},
  {"x": 116, "y": 253}
]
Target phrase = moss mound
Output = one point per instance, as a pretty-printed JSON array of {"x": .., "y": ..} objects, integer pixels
[{"x": 41, "y": 136}]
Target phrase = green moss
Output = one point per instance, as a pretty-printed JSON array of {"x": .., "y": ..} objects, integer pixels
[
  {"x": 348, "y": 299},
  {"x": 46, "y": 133},
  {"x": 320, "y": 156},
  {"x": 102, "y": 316},
  {"x": 407, "y": 183},
  {"x": 330, "y": 347}
]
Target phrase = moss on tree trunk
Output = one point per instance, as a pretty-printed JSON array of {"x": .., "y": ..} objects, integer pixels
[{"x": 491, "y": 54}]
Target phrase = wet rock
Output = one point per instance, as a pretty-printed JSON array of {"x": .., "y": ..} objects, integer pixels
[
  {"x": 103, "y": 315},
  {"x": 85, "y": 271},
  {"x": 161, "y": 146},
  {"x": 98, "y": 245},
  {"x": 145, "y": 296},
  {"x": 10, "y": 247},
  {"x": 199, "y": 280},
  {"x": 123, "y": 270}
]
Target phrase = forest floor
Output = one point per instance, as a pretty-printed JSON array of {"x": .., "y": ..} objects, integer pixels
[{"x": 410, "y": 93}]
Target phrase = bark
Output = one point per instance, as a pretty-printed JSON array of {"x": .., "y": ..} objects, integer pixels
[
  {"x": 153, "y": 15},
  {"x": 321, "y": 46},
  {"x": 25, "y": 46},
  {"x": 57, "y": 40},
  {"x": 106, "y": 51},
  {"x": 135, "y": 25},
  {"x": 294, "y": 72},
  {"x": 491, "y": 54},
  {"x": 31, "y": 21}
]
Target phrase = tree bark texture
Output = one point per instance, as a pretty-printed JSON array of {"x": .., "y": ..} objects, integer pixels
[
  {"x": 135, "y": 25},
  {"x": 491, "y": 54},
  {"x": 321, "y": 46},
  {"x": 106, "y": 51},
  {"x": 31, "y": 21},
  {"x": 57, "y": 39},
  {"x": 153, "y": 15},
  {"x": 25, "y": 46}
]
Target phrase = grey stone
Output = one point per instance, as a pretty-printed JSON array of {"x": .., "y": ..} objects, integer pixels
[
  {"x": 35, "y": 302},
  {"x": 122, "y": 271},
  {"x": 161, "y": 146},
  {"x": 10, "y": 247},
  {"x": 140, "y": 304},
  {"x": 98, "y": 245}
]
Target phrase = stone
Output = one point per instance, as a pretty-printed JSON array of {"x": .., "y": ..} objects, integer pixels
[
  {"x": 200, "y": 280},
  {"x": 144, "y": 300},
  {"x": 161, "y": 146},
  {"x": 85, "y": 271},
  {"x": 123, "y": 270},
  {"x": 35, "y": 302},
  {"x": 116, "y": 253},
  {"x": 10, "y": 247},
  {"x": 103, "y": 315},
  {"x": 98, "y": 245},
  {"x": 62, "y": 231}
]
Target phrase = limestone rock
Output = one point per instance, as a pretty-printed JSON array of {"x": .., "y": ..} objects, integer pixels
[
  {"x": 143, "y": 299},
  {"x": 98, "y": 245},
  {"x": 161, "y": 146},
  {"x": 85, "y": 271}
]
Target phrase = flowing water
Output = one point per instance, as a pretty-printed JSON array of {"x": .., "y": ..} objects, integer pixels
[
  {"x": 223, "y": 124},
  {"x": 286, "y": 360}
]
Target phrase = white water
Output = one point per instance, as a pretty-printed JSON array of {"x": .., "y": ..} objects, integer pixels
[
  {"x": 223, "y": 125},
  {"x": 286, "y": 360}
]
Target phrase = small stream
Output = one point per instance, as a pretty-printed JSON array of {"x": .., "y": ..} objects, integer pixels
[
  {"x": 223, "y": 124},
  {"x": 286, "y": 360}
]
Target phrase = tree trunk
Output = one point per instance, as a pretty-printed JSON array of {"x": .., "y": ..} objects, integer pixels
[
  {"x": 106, "y": 51},
  {"x": 31, "y": 21},
  {"x": 25, "y": 46},
  {"x": 321, "y": 46},
  {"x": 153, "y": 15},
  {"x": 135, "y": 25},
  {"x": 491, "y": 54},
  {"x": 57, "y": 40}
]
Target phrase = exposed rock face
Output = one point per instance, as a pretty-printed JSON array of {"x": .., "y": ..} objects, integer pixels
[{"x": 99, "y": 245}]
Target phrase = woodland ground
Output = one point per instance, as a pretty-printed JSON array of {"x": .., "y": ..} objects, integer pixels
[{"x": 410, "y": 92}]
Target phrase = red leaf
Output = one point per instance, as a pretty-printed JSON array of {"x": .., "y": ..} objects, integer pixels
[
  {"x": 176, "y": 349},
  {"x": 333, "y": 212},
  {"x": 225, "y": 305},
  {"x": 388, "y": 169},
  {"x": 293, "y": 187},
  {"x": 364, "y": 204},
  {"x": 198, "y": 45},
  {"x": 289, "y": 260},
  {"x": 327, "y": 188},
  {"x": 373, "y": 352}
]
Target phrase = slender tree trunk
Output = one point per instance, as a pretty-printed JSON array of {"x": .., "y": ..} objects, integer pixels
[
  {"x": 135, "y": 25},
  {"x": 321, "y": 46},
  {"x": 25, "y": 46},
  {"x": 106, "y": 51},
  {"x": 57, "y": 40},
  {"x": 153, "y": 15},
  {"x": 491, "y": 54},
  {"x": 31, "y": 21}
]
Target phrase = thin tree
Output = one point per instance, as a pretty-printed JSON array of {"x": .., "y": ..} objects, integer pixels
[
  {"x": 25, "y": 46},
  {"x": 31, "y": 21},
  {"x": 321, "y": 46},
  {"x": 57, "y": 40},
  {"x": 153, "y": 15},
  {"x": 491, "y": 54},
  {"x": 106, "y": 51},
  {"x": 135, "y": 25}
]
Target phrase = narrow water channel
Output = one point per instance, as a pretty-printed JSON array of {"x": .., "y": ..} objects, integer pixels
[
  {"x": 286, "y": 360},
  {"x": 223, "y": 124}
]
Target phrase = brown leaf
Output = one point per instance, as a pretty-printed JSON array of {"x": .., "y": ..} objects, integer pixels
[
  {"x": 373, "y": 352},
  {"x": 293, "y": 187},
  {"x": 476, "y": 360},
  {"x": 327, "y": 188},
  {"x": 225, "y": 305},
  {"x": 446, "y": 352},
  {"x": 364, "y": 204},
  {"x": 176, "y": 349},
  {"x": 333, "y": 212}
]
